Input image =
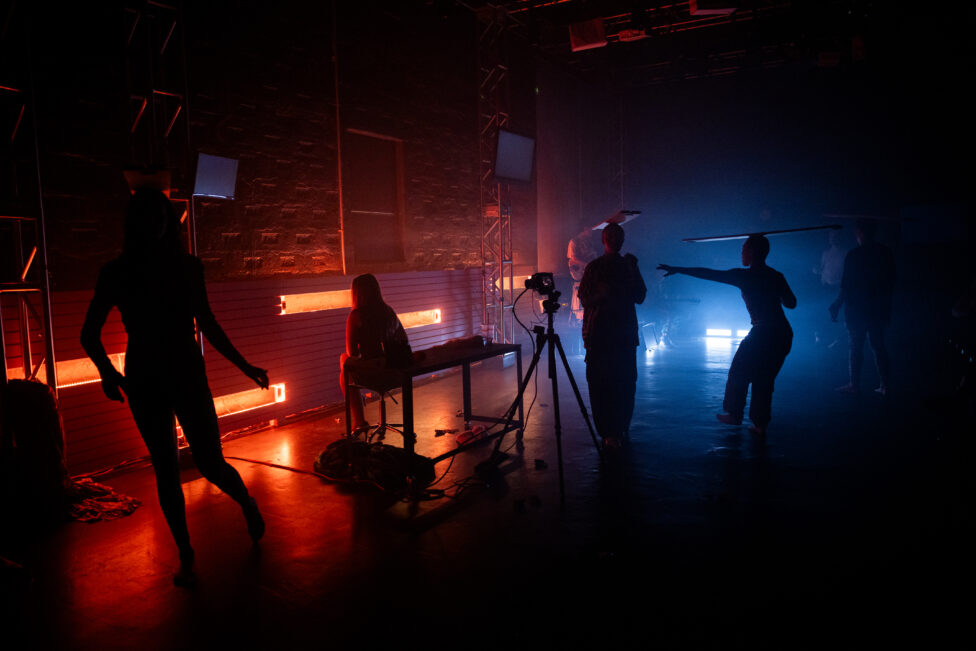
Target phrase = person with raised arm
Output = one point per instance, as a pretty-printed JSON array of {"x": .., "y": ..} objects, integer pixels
[{"x": 762, "y": 352}]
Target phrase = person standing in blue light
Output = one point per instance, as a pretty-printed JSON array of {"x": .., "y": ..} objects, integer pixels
[
  {"x": 762, "y": 352},
  {"x": 866, "y": 289},
  {"x": 159, "y": 290},
  {"x": 611, "y": 286}
]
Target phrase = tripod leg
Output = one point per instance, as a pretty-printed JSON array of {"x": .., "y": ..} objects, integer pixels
[
  {"x": 579, "y": 398},
  {"x": 517, "y": 403},
  {"x": 555, "y": 410}
]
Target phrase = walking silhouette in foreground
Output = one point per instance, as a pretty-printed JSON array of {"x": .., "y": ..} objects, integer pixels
[
  {"x": 865, "y": 293},
  {"x": 159, "y": 291},
  {"x": 611, "y": 286},
  {"x": 762, "y": 352}
]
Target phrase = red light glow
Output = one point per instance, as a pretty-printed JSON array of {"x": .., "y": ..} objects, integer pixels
[
  {"x": 315, "y": 301},
  {"x": 72, "y": 372},
  {"x": 417, "y": 319}
]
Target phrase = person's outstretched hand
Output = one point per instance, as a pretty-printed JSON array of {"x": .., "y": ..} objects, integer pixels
[
  {"x": 259, "y": 375},
  {"x": 112, "y": 385},
  {"x": 668, "y": 269}
]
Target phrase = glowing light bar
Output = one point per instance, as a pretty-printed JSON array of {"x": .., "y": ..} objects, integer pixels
[
  {"x": 72, "y": 372},
  {"x": 417, "y": 319},
  {"x": 518, "y": 282},
  {"x": 741, "y": 333},
  {"x": 318, "y": 301},
  {"x": 237, "y": 403},
  {"x": 75, "y": 372},
  {"x": 315, "y": 301},
  {"x": 718, "y": 332}
]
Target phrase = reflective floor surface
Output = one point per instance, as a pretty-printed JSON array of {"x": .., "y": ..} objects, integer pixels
[{"x": 849, "y": 526}]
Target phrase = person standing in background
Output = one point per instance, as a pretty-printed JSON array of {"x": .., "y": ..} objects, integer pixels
[{"x": 866, "y": 290}]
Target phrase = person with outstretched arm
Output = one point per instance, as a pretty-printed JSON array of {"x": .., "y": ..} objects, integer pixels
[{"x": 762, "y": 352}]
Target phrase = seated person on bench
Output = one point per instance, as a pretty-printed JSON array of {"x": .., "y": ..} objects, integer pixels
[{"x": 375, "y": 341}]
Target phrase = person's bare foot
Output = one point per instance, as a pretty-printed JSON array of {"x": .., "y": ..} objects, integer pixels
[
  {"x": 728, "y": 419},
  {"x": 185, "y": 577},
  {"x": 847, "y": 388},
  {"x": 883, "y": 390},
  {"x": 757, "y": 430},
  {"x": 255, "y": 523}
]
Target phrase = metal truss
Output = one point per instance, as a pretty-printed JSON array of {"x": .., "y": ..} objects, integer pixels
[
  {"x": 496, "y": 240},
  {"x": 156, "y": 78},
  {"x": 24, "y": 273}
]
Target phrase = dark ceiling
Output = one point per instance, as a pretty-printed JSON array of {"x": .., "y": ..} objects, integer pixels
[{"x": 655, "y": 41}]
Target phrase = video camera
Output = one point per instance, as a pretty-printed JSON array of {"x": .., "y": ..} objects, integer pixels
[{"x": 541, "y": 282}]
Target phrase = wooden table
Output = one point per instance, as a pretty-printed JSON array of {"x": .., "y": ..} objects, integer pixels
[{"x": 438, "y": 359}]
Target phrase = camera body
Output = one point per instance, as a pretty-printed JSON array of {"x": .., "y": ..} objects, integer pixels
[{"x": 541, "y": 282}]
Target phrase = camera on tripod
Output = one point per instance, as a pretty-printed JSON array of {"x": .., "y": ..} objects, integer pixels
[{"x": 541, "y": 282}]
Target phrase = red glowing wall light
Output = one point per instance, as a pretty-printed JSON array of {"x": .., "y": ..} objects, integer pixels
[
  {"x": 242, "y": 401},
  {"x": 315, "y": 301},
  {"x": 421, "y": 318},
  {"x": 318, "y": 301},
  {"x": 72, "y": 372}
]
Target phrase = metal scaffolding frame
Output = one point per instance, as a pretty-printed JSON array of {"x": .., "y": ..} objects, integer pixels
[
  {"x": 497, "y": 272},
  {"x": 29, "y": 277},
  {"x": 157, "y": 92}
]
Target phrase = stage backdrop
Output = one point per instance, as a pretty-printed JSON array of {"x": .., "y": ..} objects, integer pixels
[{"x": 300, "y": 350}]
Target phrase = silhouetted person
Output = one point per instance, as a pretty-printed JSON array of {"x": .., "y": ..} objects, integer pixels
[
  {"x": 374, "y": 334},
  {"x": 762, "y": 352},
  {"x": 611, "y": 286},
  {"x": 865, "y": 293},
  {"x": 831, "y": 269},
  {"x": 159, "y": 290},
  {"x": 582, "y": 250},
  {"x": 831, "y": 272}
]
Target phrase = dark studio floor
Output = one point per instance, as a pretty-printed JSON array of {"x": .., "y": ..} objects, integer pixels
[{"x": 851, "y": 527}]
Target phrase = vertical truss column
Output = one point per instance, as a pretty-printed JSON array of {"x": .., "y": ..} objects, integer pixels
[
  {"x": 496, "y": 239},
  {"x": 24, "y": 271},
  {"x": 157, "y": 92}
]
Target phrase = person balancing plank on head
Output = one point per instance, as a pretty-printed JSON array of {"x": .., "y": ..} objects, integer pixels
[
  {"x": 611, "y": 286},
  {"x": 762, "y": 352}
]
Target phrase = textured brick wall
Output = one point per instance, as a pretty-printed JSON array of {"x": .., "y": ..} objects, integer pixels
[
  {"x": 414, "y": 79},
  {"x": 262, "y": 93},
  {"x": 262, "y": 90}
]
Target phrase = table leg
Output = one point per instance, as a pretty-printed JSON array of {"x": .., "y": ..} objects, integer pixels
[
  {"x": 348, "y": 410},
  {"x": 466, "y": 392},
  {"x": 408, "y": 434},
  {"x": 518, "y": 382}
]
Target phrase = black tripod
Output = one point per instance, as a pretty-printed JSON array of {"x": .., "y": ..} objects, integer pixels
[{"x": 543, "y": 337}]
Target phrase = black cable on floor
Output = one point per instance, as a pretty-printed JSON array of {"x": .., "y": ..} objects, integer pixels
[{"x": 277, "y": 465}]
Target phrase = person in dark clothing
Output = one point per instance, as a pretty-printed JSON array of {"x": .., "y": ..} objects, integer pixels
[
  {"x": 373, "y": 333},
  {"x": 159, "y": 290},
  {"x": 611, "y": 286},
  {"x": 865, "y": 292},
  {"x": 762, "y": 352}
]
